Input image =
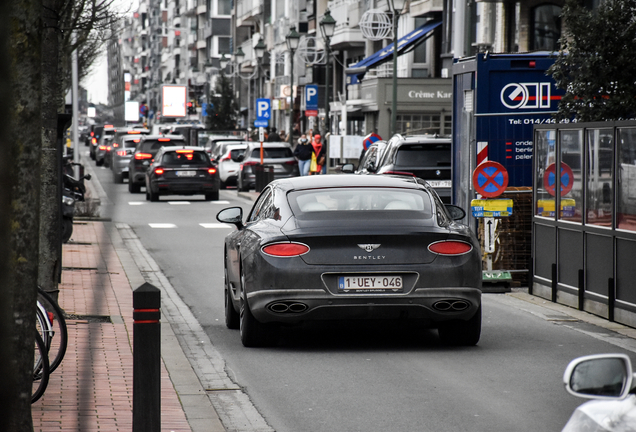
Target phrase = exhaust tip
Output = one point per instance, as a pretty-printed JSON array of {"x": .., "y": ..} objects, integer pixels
[
  {"x": 287, "y": 307},
  {"x": 451, "y": 305}
]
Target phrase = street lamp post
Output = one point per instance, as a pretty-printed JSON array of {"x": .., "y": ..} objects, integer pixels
[
  {"x": 259, "y": 50},
  {"x": 396, "y": 6},
  {"x": 292, "y": 39},
  {"x": 328, "y": 27}
]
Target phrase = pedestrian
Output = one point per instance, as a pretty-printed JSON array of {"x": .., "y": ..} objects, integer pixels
[
  {"x": 283, "y": 136},
  {"x": 319, "y": 155},
  {"x": 304, "y": 151},
  {"x": 273, "y": 136}
]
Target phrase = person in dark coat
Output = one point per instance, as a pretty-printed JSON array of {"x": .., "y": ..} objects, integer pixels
[
  {"x": 303, "y": 153},
  {"x": 273, "y": 136}
]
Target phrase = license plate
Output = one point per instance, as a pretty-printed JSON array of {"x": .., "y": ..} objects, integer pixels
[
  {"x": 370, "y": 283},
  {"x": 439, "y": 183},
  {"x": 186, "y": 173}
]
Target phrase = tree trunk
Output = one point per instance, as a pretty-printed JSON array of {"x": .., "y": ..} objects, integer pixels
[
  {"x": 24, "y": 153},
  {"x": 50, "y": 261}
]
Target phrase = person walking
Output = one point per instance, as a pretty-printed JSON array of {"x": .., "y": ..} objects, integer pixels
[
  {"x": 319, "y": 151},
  {"x": 304, "y": 150},
  {"x": 273, "y": 136}
]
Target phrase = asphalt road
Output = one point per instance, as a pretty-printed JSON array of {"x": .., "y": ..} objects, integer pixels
[{"x": 366, "y": 379}]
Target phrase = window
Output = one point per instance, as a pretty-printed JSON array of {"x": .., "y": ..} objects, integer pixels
[
  {"x": 224, "y": 7},
  {"x": 626, "y": 173},
  {"x": 600, "y": 190},
  {"x": 223, "y": 45},
  {"x": 571, "y": 145},
  {"x": 260, "y": 208},
  {"x": 546, "y": 27},
  {"x": 418, "y": 123}
]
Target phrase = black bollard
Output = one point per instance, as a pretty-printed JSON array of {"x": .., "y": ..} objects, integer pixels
[{"x": 146, "y": 359}]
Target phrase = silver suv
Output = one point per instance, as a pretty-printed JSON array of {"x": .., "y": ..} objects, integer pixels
[{"x": 277, "y": 155}]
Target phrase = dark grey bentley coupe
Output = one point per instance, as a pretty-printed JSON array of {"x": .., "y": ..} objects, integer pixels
[{"x": 339, "y": 247}]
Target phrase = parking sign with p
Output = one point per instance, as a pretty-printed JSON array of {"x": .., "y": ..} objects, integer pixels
[
  {"x": 311, "y": 100},
  {"x": 263, "y": 112}
]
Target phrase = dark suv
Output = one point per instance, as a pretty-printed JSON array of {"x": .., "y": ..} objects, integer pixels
[
  {"x": 143, "y": 156},
  {"x": 425, "y": 156}
]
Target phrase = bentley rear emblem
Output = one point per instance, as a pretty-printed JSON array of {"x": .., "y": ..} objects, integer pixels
[{"x": 369, "y": 247}]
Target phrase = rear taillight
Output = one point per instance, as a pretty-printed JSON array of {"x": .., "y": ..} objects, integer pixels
[
  {"x": 211, "y": 171},
  {"x": 142, "y": 156},
  {"x": 103, "y": 147},
  {"x": 450, "y": 247},
  {"x": 121, "y": 152},
  {"x": 94, "y": 140},
  {"x": 291, "y": 162},
  {"x": 246, "y": 164},
  {"x": 115, "y": 145},
  {"x": 226, "y": 158},
  {"x": 285, "y": 249},
  {"x": 183, "y": 150},
  {"x": 159, "y": 171},
  {"x": 164, "y": 139}
]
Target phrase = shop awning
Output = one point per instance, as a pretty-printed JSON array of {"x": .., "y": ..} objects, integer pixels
[{"x": 405, "y": 44}]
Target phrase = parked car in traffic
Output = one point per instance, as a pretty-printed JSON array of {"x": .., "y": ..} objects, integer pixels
[
  {"x": 369, "y": 160},
  {"x": 348, "y": 247},
  {"x": 121, "y": 157},
  {"x": 277, "y": 155},
  {"x": 226, "y": 156},
  {"x": 95, "y": 135},
  {"x": 182, "y": 170},
  {"x": 104, "y": 145},
  {"x": 607, "y": 379},
  {"x": 425, "y": 156},
  {"x": 116, "y": 141},
  {"x": 215, "y": 140},
  {"x": 145, "y": 152}
]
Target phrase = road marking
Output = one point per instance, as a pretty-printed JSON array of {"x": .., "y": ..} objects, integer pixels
[
  {"x": 162, "y": 225},
  {"x": 215, "y": 225},
  {"x": 178, "y": 202},
  {"x": 136, "y": 202},
  {"x": 220, "y": 202}
]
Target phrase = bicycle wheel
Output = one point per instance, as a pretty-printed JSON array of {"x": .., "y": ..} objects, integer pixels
[
  {"x": 43, "y": 327},
  {"x": 59, "y": 336},
  {"x": 40, "y": 369}
]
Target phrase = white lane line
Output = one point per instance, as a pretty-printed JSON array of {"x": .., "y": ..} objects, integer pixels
[
  {"x": 220, "y": 202},
  {"x": 215, "y": 225},
  {"x": 136, "y": 202},
  {"x": 178, "y": 202},
  {"x": 162, "y": 225}
]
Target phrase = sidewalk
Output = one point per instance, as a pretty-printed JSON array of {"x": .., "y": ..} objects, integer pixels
[{"x": 92, "y": 388}]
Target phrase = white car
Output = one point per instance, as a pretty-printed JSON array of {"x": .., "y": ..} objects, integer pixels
[
  {"x": 608, "y": 379},
  {"x": 226, "y": 156}
]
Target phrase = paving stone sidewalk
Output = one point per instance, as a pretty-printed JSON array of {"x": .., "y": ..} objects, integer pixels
[{"x": 92, "y": 388}]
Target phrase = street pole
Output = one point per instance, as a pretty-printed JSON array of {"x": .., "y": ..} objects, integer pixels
[
  {"x": 395, "y": 56},
  {"x": 292, "y": 39}
]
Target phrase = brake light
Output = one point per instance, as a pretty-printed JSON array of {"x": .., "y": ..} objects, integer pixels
[
  {"x": 159, "y": 171},
  {"x": 133, "y": 132},
  {"x": 121, "y": 152},
  {"x": 450, "y": 247},
  {"x": 399, "y": 173},
  {"x": 115, "y": 145},
  {"x": 108, "y": 126},
  {"x": 141, "y": 156},
  {"x": 243, "y": 165},
  {"x": 136, "y": 140},
  {"x": 226, "y": 158},
  {"x": 291, "y": 162},
  {"x": 94, "y": 140},
  {"x": 183, "y": 151},
  {"x": 103, "y": 147},
  {"x": 163, "y": 139},
  {"x": 285, "y": 249},
  {"x": 211, "y": 171}
]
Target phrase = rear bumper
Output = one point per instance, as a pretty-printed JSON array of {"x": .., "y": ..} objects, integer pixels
[{"x": 182, "y": 187}]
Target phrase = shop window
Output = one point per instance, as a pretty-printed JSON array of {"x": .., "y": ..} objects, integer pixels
[
  {"x": 546, "y": 27},
  {"x": 545, "y": 144},
  {"x": 626, "y": 172},
  {"x": 600, "y": 190},
  {"x": 418, "y": 124},
  {"x": 571, "y": 146}
]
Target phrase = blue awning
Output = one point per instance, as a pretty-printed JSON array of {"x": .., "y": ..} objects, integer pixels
[{"x": 405, "y": 44}]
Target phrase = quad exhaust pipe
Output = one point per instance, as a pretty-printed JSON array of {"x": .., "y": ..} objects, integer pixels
[
  {"x": 451, "y": 305},
  {"x": 287, "y": 307}
]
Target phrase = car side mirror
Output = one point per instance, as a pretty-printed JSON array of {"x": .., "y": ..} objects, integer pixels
[
  {"x": 231, "y": 215},
  {"x": 371, "y": 167},
  {"x": 601, "y": 376},
  {"x": 238, "y": 158},
  {"x": 348, "y": 168},
  {"x": 456, "y": 213}
]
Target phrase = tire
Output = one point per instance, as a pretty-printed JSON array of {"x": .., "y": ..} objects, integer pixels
[
  {"x": 152, "y": 197},
  {"x": 241, "y": 187},
  {"x": 212, "y": 196},
  {"x": 461, "y": 333},
  {"x": 99, "y": 162},
  {"x": 67, "y": 229},
  {"x": 133, "y": 188},
  {"x": 59, "y": 341},
  {"x": 254, "y": 333},
  {"x": 222, "y": 185},
  {"x": 41, "y": 369}
]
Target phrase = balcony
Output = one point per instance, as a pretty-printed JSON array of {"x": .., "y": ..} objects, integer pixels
[
  {"x": 247, "y": 12},
  {"x": 347, "y": 32},
  {"x": 202, "y": 7},
  {"x": 422, "y": 7}
]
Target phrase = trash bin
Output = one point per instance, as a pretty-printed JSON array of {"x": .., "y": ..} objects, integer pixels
[{"x": 264, "y": 175}]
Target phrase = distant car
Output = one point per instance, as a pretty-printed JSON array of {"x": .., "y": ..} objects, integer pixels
[
  {"x": 609, "y": 380},
  {"x": 226, "y": 157},
  {"x": 95, "y": 134},
  {"x": 369, "y": 160},
  {"x": 425, "y": 156},
  {"x": 215, "y": 140},
  {"x": 146, "y": 150},
  {"x": 278, "y": 155},
  {"x": 116, "y": 141},
  {"x": 182, "y": 171},
  {"x": 121, "y": 157},
  {"x": 104, "y": 145},
  {"x": 348, "y": 247}
]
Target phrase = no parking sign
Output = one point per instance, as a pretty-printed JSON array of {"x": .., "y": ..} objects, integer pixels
[
  {"x": 567, "y": 179},
  {"x": 490, "y": 179}
]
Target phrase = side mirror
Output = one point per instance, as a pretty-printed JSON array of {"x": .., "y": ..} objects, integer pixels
[
  {"x": 231, "y": 215},
  {"x": 601, "y": 376},
  {"x": 348, "y": 168},
  {"x": 238, "y": 158},
  {"x": 87, "y": 176},
  {"x": 456, "y": 213},
  {"x": 371, "y": 167}
]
